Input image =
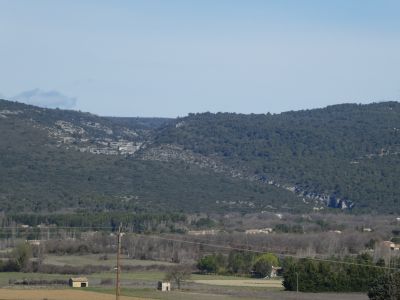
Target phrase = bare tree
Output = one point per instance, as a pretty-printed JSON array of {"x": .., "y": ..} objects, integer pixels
[{"x": 178, "y": 274}]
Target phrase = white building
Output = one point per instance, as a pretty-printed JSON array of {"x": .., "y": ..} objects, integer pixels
[{"x": 164, "y": 286}]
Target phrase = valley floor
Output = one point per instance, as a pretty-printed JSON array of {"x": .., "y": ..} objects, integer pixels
[{"x": 136, "y": 294}]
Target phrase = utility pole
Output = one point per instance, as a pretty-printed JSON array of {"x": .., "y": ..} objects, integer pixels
[
  {"x": 117, "y": 282},
  {"x": 297, "y": 285}
]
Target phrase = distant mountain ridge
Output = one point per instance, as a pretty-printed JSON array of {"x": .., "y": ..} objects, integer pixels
[{"x": 343, "y": 156}]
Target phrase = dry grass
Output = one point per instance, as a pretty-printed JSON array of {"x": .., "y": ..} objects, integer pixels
[
  {"x": 232, "y": 293},
  {"x": 271, "y": 283},
  {"x": 50, "y": 294},
  {"x": 95, "y": 260}
]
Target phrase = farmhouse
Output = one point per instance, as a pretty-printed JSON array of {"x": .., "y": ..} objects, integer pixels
[
  {"x": 164, "y": 286},
  {"x": 391, "y": 245},
  {"x": 78, "y": 282},
  {"x": 33, "y": 242}
]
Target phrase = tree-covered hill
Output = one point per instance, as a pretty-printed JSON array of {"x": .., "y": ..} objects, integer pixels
[
  {"x": 343, "y": 156},
  {"x": 41, "y": 174},
  {"x": 349, "y": 154}
]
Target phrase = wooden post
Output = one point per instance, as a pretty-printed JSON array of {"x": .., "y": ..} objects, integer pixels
[{"x": 117, "y": 283}]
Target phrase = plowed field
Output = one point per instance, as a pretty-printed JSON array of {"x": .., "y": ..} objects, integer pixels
[{"x": 65, "y": 294}]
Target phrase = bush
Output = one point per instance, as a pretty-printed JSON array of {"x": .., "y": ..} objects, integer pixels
[
  {"x": 214, "y": 263},
  {"x": 38, "y": 282},
  {"x": 264, "y": 263},
  {"x": 324, "y": 276},
  {"x": 9, "y": 266},
  {"x": 22, "y": 254},
  {"x": 385, "y": 287}
]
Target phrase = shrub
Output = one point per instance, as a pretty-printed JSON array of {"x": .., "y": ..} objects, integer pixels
[{"x": 385, "y": 287}]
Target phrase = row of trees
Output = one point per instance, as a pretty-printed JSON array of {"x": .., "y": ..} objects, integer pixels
[
  {"x": 352, "y": 274},
  {"x": 347, "y": 275},
  {"x": 240, "y": 263},
  {"x": 134, "y": 222}
]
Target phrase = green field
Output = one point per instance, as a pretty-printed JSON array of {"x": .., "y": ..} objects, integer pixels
[
  {"x": 142, "y": 275},
  {"x": 142, "y": 284},
  {"x": 127, "y": 278},
  {"x": 97, "y": 259},
  {"x": 6, "y": 276},
  {"x": 214, "y": 289}
]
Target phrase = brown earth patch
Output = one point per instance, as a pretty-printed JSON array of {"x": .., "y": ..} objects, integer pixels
[{"x": 49, "y": 294}]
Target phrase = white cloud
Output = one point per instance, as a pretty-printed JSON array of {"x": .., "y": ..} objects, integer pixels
[{"x": 48, "y": 99}]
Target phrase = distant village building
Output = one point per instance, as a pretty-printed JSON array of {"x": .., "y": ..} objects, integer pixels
[
  {"x": 164, "y": 286},
  {"x": 44, "y": 226},
  {"x": 33, "y": 242},
  {"x": 259, "y": 231},
  {"x": 68, "y": 140},
  {"x": 391, "y": 245},
  {"x": 77, "y": 282},
  {"x": 367, "y": 229}
]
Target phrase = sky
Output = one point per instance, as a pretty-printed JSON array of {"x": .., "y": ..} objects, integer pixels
[{"x": 169, "y": 58}]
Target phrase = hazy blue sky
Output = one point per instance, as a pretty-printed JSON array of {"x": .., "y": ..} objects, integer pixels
[{"x": 169, "y": 58}]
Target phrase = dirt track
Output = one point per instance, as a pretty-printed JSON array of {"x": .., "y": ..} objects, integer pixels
[
  {"x": 244, "y": 282},
  {"x": 65, "y": 294}
]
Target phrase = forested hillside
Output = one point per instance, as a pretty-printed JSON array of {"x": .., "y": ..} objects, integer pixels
[
  {"x": 42, "y": 171},
  {"x": 343, "y": 156},
  {"x": 344, "y": 153}
]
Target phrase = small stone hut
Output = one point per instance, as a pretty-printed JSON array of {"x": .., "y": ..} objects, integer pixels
[
  {"x": 78, "y": 282},
  {"x": 164, "y": 286}
]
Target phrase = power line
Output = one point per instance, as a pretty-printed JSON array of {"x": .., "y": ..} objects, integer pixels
[
  {"x": 109, "y": 227},
  {"x": 241, "y": 245},
  {"x": 58, "y": 227},
  {"x": 220, "y": 246},
  {"x": 278, "y": 254},
  {"x": 278, "y": 250}
]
